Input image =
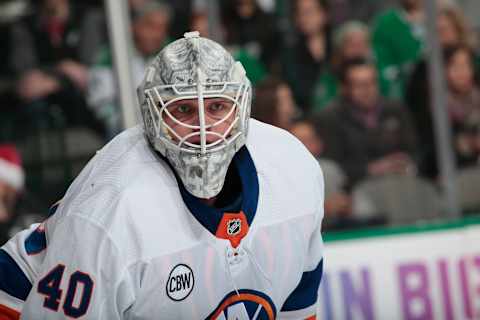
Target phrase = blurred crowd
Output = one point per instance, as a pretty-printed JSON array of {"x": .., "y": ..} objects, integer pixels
[{"x": 348, "y": 78}]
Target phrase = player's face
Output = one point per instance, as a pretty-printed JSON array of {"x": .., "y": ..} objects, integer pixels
[{"x": 218, "y": 119}]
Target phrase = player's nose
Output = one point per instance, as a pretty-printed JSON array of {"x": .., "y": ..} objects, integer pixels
[{"x": 210, "y": 137}]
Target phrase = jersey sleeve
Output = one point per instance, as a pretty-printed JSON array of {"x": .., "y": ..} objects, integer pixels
[
  {"x": 20, "y": 260},
  {"x": 83, "y": 275},
  {"x": 302, "y": 301}
]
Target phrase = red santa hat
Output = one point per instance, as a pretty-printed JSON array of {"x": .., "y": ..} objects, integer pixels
[{"x": 11, "y": 170}]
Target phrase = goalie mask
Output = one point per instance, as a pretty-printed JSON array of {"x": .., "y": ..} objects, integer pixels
[{"x": 195, "y": 102}]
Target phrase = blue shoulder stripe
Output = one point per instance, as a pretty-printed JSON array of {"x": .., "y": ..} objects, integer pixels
[
  {"x": 36, "y": 242},
  {"x": 306, "y": 293},
  {"x": 12, "y": 279}
]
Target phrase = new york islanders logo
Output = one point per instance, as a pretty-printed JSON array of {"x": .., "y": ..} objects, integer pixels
[
  {"x": 234, "y": 226},
  {"x": 246, "y": 305}
]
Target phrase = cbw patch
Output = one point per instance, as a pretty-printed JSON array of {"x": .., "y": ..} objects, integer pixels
[{"x": 180, "y": 282}]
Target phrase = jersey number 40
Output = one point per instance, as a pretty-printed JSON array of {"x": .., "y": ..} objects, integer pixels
[{"x": 74, "y": 306}]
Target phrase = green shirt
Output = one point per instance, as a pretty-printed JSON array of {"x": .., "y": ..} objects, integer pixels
[
  {"x": 255, "y": 70},
  {"x": 398, "y": 46},
  {"x": 324, "y": 90}
]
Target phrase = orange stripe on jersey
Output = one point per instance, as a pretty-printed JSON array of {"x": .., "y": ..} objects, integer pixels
[
  {"x": 312, "y": 317},
  {"x": 8, "y": 314},
  {"x": 233, "y": 227},
  {"x": 245, "y": 297}
]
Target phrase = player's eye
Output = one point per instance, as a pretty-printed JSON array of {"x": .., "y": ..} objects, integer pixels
[
  {"x": 183, "y": 108},
  {"x": 182, "y": 111},
  {"x": 216, "y": 107}
]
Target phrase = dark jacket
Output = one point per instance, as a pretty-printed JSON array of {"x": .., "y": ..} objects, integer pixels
[
  {"x": 353, "y": 145},
  {"x": 30, "y": 45},
  {"x": 301, "y": 70}
]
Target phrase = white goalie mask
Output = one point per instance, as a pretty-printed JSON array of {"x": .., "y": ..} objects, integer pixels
[{"x": 195, "y": 102}]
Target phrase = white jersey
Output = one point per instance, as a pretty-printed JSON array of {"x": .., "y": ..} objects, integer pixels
[{"x": 128, "y": 242}]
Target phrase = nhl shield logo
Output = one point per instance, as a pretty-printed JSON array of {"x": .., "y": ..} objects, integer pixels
[{"x": 234, "y": 226}]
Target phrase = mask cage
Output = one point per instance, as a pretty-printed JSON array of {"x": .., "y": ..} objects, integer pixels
[{"x": 160, "y": 97}]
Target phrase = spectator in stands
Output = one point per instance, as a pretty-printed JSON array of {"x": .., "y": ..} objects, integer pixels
[
  {"x": 308, "y": 56},
  {"x": 180, "y": 17},
  {"x": 452, "y": 27},
  {"x": 351, "y": 40},
  {"x": 255, "y": 69},
  {"x": 364, "y": 133},
  {"x": 338, "y": 203},
  {"x": 250, "y": 28},
  {"x": 273, "y": 103},
  {"x": 10, "y": 11},
  {"x": 49, "y": 52},
  {"x": 13, "y": 209},
  {"x": 463, "y": 104},
  {"x": 398, "y": 40},
  {"x": 346, "y": 10},
  {"x": 150, "y": 21},
  {"x": 453, "y": 32},
  {"x": 12, "y": 180},
  {"x": 471, "y": 8}
]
